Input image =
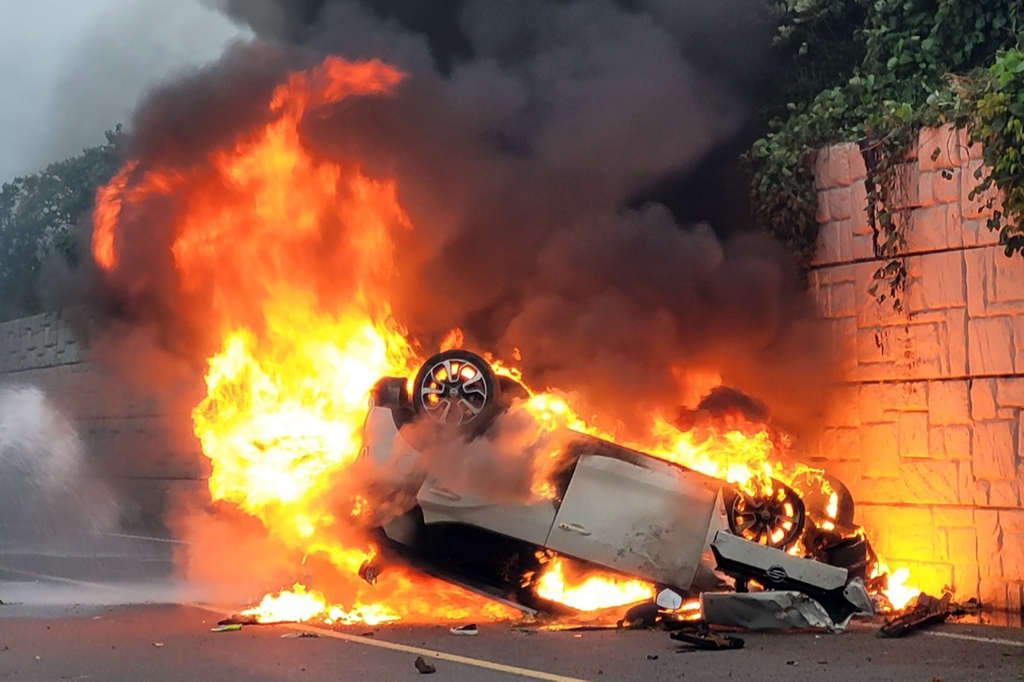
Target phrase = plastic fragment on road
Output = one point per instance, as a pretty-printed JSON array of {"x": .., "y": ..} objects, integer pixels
[
  {"x": 228, "y": 627},
  {"x": 465, "y": 630},
  {"x": 424, "y": 667},
  {"x": 300, "y": 635}
]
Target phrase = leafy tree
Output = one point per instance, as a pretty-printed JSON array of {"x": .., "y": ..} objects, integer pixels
[{"x": 38, "y": 214}]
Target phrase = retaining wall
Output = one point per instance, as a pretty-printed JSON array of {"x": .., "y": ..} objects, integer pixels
[
  {"x": 927, "y": 429},
  {"x": 140, "y": 442}
]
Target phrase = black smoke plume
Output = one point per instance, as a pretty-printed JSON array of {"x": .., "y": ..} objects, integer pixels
[{"x": 520, "y": 141}]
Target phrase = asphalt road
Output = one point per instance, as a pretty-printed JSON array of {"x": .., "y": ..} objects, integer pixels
[
  {"x": 173, "y": 642},
  {"x": 116, "y": 615}
]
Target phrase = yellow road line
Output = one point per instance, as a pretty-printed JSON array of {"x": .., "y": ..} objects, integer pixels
[{"x": 430, "y": 653}]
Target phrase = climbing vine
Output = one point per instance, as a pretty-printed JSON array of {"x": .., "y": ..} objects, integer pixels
[
  {"x": 998, "y": 125},
  {"x": 897, "y": 66}
]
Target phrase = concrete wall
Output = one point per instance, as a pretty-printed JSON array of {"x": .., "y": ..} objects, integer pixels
[
  {"x": 141, "y": 443},
  {"x": 927, "y": 430}
]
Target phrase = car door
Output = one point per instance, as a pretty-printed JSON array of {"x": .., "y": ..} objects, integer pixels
[
  {"x": 446, "y": 502},
  {"x": 650, "y": 521}
]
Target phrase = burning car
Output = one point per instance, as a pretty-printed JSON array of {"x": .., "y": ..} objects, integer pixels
[{"x": 604, "y": 506}]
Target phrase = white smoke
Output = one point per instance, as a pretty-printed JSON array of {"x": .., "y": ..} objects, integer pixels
[{"x": 45, "y": 483}]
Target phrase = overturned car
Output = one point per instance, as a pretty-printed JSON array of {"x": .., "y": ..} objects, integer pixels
[{"x": 610, "y": 507}]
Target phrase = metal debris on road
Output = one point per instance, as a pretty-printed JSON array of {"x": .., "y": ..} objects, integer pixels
[
  {"x": 239, "y": 620},
  {"x": 922, "y": 612},
  {"x": 300, "y": 635},
  {"x": 771, "y": 610},
  {"x": 228, "y": 627},
  {"x": 708, "y": 641}
]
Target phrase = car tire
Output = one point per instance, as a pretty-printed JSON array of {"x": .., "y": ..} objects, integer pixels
[
  {"x": 457, "y": 388},
  {"x": 759, "y": 517}
]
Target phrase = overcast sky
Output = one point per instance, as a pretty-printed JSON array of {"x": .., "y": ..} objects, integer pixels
[{"x": 70, "y": 69}]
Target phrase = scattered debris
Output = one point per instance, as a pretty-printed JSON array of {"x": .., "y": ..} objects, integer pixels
[
  {"x": 709, "y": 641},
  {"x": 652, "y": 657},
  {"x": 369, "y": 633},
  {"x": 574, "y": 627},
  {"x": 829, "y": 586},
  {"x": 467, "y": 630},
  {"x": 772, "y": 610},
  {"x": 922, "y": 612},
  {"x": 239, "y": 620},
  {"x": 424, "y": 667},
  {"x": 158, "y": 644},
  {"x": 228, "y": 627},
  {"x": 300, "y": 635}
]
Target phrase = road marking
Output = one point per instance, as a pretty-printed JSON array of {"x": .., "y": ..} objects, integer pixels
[
  {"x": 57, "y": 578},
  {"x": 426, "y": 653},
  {"x": 975, "y": 638},
  {"x": 430, "y": 653}
]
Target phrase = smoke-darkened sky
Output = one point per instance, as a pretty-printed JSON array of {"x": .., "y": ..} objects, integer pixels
[{"x": 74, "y": 68}]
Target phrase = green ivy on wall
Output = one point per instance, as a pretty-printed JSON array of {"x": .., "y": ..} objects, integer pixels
[{"x": 897, "y": 66}]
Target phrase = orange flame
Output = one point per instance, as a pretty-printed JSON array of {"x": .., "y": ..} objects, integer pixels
[
  {"x": 286, "y": 393},
  {"x": 897, "y": 591},
  {"x": 593, "y": 591}
]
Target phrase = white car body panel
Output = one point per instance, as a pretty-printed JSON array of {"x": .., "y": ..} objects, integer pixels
[
  {"x": 443, "y": 504},
  {"x": 650, "y": 521},
  {"x": 394, "y": 459}
]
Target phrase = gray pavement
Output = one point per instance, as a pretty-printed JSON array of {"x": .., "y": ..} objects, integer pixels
[
  {"x": 172, "y": 642},
  {"x": 110, "y": 610}
]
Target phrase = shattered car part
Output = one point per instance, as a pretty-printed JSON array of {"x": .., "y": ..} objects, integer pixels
[
  {"x": 771, "y": 610},
  {"x": 924, "y": 611},
  {"x": 829, "y": 586},
  {"x": 708, "y": 641}
]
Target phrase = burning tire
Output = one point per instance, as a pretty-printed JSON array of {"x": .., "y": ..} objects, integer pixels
[
  {"x": 775, "y": 519},
  {"x": 457, "y": 388}
]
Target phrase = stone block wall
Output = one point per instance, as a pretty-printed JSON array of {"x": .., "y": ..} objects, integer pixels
[
  {"x": 141, "y": 443},
  {"x": 927, "y": 429}
]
